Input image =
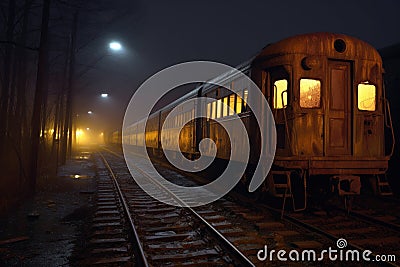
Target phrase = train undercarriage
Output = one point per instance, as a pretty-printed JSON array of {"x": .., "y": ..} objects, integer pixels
[{"x": 321, "y": 177}]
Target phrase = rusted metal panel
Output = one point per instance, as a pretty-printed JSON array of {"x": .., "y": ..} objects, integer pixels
[
  {"x": 152, "y": 131},
  {"x": 323, "y": 44},
  {"x": 338, "y": 166},
  {"x": 185, "y": 138},
  {"x": 348, "y": 164}
]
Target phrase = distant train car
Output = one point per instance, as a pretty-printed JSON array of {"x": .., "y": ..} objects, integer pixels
[
  {"x": 326, "y": 94},
  {"x": 115, "y": 137}
]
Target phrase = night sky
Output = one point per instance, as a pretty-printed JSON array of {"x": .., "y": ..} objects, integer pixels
[{"x": 158, "y": 34}]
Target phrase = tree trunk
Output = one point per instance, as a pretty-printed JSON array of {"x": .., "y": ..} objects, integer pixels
[
  {"x": 68, "y": 112},
  {"x": 22, "y": 78},
  {"x": 41, "y": 84},
  {"x": 4, "y": 103}
]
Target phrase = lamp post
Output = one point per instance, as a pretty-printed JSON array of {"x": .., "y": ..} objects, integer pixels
[{"x": 66, "y": 146}]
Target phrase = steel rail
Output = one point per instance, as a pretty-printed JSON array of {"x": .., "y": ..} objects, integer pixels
[
  {"x": 321, "y": 232},
  {"x": 141, "y": 257},
  {"x": 236, "y": 252},
  {"x": 374, "y": 221}
]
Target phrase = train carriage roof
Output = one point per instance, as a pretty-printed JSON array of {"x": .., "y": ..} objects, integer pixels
[{"x": 325, "y": 44}]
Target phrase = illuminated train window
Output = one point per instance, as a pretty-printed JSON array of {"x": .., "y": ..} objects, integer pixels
[
  {"x": 232, "y": 104},
  {"x": 208, "y": 111},
  {"x": 213, "y": 109},
  {"x": 366, "y": 97},
  {"x": 225, "y": 107},
  {"x": 280, "y": 93},
  {"x": 245, "y": 98},
  {"x": 310, "y": 93},
  {"x": 219, "y": 107},
  {"x": 239, "y": 102}
]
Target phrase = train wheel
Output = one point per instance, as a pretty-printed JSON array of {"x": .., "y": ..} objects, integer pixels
[{"x": 256, "y": 195}]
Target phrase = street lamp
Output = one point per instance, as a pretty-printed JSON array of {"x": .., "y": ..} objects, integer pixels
[{"x": 115, "y": 46}]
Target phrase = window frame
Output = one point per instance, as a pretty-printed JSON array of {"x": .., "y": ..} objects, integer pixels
[
  {"x": 376, "y": 94},
  {"x": 273, "y": 74},
  {"x": 320, "y": 92},
  {"x": 273, "y": 81}
]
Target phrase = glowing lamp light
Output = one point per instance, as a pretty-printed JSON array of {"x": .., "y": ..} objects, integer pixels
[
  {"x": 104, "y": 95},
  {"x": 87, "y": 129},
  {"x": 115, "y": 46},
  {"x": 90, "y": 112}
]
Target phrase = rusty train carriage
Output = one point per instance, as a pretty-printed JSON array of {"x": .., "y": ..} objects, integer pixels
[
  {"x": 327, "y": 97},
  {"x": 335, "y": 132}
]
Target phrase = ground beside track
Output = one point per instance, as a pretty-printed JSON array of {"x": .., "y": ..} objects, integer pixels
[{"x": 46, "y": 229}]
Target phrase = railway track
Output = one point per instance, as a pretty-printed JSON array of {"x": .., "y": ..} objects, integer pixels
[
  {"x": 360, "y": 234},
  {"x": 246, "y": 228},
  {"x": 173, "y": 235},
  {"x": 111, "y": 232},
  {"x": 378, "y": 210}
]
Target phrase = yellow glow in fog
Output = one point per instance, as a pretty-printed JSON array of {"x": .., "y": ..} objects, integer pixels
[{"x": 89, "y": 136}]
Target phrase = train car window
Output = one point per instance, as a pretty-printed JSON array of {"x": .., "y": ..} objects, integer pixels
[
  {"x": 225, "y": 107},
  {"x": 366, "y": 97},
  {"x": 232, "y": 104},
  {"x": 239, "y": 102},
  {"x": 208, "y": 111},
  {"x": 219, "y": 108},
  {"x": 245, "y": 98},
  {"x": 310, "y": 93},
  {"x": 213, "y": 109},
  {"x": 280, "y": 93}
]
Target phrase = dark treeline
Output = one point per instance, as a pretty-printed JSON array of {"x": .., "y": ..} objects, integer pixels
[
  {"x": 391, "y": 63},
  {"x": 39, "y": 44}
]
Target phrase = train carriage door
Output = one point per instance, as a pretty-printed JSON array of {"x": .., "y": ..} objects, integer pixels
[
  {"x": 339, "y": 116},
  {"x": 279, "y": 85}
]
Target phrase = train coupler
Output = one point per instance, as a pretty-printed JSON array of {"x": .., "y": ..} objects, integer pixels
[{"x": 345, "y": 185}]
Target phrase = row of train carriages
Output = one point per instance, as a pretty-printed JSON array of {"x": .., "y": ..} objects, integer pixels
[{"x": 335, "y": 127}]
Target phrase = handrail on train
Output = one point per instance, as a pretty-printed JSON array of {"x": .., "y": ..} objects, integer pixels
[
  {"x": 388, "y": 119},
  {"x": 389, "y": 124}
]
